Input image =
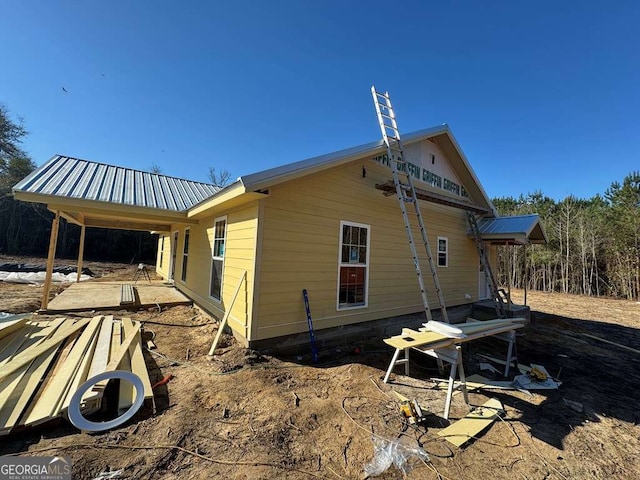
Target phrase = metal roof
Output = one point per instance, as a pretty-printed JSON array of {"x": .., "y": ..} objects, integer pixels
[
  {"x": 75, "y": 178},
  {"x": 517, "y": 228}
]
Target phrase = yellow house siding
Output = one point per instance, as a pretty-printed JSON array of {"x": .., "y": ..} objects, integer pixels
[
  {"x": 239, "y": 256},
  {"x": 301, "y": 241}
]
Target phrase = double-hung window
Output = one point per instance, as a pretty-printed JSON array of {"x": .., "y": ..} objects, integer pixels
[
  {"x": 217, "y": 257},
  {"x": 185, "y": 254},
  {"x": 443, "y": 252},
  {"x": 353, "y": 265}
]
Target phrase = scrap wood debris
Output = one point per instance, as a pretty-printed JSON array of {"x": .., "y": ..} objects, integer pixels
[{"x": 43, "y": 363}]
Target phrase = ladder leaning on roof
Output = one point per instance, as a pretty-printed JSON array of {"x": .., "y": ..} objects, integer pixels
[
  {"x": 498, "y": 301},
  {"x": 406, "y": 194}
]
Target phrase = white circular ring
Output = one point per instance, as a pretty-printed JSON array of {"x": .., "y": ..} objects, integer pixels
[{"x": 81, "y": 423}]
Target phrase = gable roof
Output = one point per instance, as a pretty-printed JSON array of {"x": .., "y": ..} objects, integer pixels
[
  {"x": 521, "y": 229},
  {"x": 82, "y": 179},
  {"x": 441, "y": 135},
  {"x": 78, "y": 188}
]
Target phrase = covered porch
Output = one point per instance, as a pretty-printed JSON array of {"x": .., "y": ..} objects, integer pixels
[
  {"x": 95, "y": 195},
  {"x": 508, "y": 233}
]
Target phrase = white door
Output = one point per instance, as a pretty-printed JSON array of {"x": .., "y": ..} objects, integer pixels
[{"x": 174, "y": 250}]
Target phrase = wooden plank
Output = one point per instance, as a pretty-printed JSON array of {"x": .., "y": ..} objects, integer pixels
[
  {"x": 126, "y": 395},
  {"x": 100, "y": 360},
  {"x": 10, "y": 326},
  {"x": 119, "y": 354},
  {"x": 29, "y": 354},
  {"x": 138, "y": 365},
  {"x": 223, "y": 323},
  {"x": 618, "y": 345},
  {"x": 91, "y": 401},
  {"x": 81, "y": 374},
  {"x": 51, "y": 399},
  {"x": 12, "y": 386},
  {"x": 21, "y": 341},
  {"x": 10, "y": 414},
  {"x": 66, "y": 347},
  {"x": 469, "y": 427},
  {"x": 103, "y": 347}
]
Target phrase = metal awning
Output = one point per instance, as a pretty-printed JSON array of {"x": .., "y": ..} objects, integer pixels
[{"x": 518, "y": 230}]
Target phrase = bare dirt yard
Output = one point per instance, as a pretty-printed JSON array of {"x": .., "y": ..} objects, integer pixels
[{"x": 244, "y": 415}]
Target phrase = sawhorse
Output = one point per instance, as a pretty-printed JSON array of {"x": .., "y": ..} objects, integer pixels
[
  {"x": 143, "y": 272},
  {"x": 452, "y": 355}
]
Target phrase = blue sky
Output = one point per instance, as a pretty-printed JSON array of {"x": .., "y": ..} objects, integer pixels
[{"x": 540, "y": 95}]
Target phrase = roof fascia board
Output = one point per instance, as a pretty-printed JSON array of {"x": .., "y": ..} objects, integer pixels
[
  {"x": 106, "y": 208},
  {"x": 125, "y": 225}
]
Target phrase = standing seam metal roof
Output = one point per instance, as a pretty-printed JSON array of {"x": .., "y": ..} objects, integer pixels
[
  {"x": 76, "y": 178},
  {"x": 525, "y": 226}
]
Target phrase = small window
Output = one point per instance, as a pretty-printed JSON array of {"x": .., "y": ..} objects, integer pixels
[
  {"x": 217, "y": 257},
  {"x": 185, "y": 255},
  {"x": 443, "y": 252},
  {"x": 353, "y": 265}
]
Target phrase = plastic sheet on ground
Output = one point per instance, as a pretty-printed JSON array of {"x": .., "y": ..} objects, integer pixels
[
  {"x": 387, "y": 453},
  {"x": 37, "y": 278}
]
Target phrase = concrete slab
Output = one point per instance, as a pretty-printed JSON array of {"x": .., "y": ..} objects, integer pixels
[{"x": 106, "y": 296}]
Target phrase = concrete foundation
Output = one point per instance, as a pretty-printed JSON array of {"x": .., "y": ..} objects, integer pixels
[
  {"x": 485, "y": 310},
  {"x": 356, "y": 334}
]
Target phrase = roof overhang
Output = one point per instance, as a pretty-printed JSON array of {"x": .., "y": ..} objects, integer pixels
[{"x": 91, "y": 213}]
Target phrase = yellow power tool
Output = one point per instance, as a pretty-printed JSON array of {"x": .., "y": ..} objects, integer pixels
[
  {"x": 410, "y": 409},
  {"x": 538, "y": 375}
]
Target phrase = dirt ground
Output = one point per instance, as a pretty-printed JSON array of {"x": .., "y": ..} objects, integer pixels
[{"x": 244, "y": 415}]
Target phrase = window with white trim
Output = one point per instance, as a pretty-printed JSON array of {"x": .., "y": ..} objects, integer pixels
[
  {"x": 161, "y": 250},
  {"x": 217, "y": 257},
  {"x": 185, "y": 254},
  {"x": 443, "y": 252},
  {"x": 353, "y": 265}
]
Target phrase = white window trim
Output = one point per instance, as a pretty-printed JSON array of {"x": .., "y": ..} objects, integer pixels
[
  {"x": 224, "y": 264},
  {"x": 185, "y": 256},
  {"x": 340, "y": 264},
  {"x": 446, "y": 252}
]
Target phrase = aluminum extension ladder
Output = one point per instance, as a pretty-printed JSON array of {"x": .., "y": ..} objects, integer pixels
[
  {"x": 406, "y": 194},
  {"x": 498, "y": 301}
]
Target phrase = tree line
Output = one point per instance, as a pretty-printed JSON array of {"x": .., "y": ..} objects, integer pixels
[{"x": 594, "y": 244}]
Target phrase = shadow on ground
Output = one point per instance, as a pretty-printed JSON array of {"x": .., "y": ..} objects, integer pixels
[{"x": 600, "y": 377}]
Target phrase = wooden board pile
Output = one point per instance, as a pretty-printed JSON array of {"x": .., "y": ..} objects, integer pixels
[{"x": 42, "y": 364}]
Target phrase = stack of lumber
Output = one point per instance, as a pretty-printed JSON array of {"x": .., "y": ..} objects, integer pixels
[{"x": 42, "y": 364}]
